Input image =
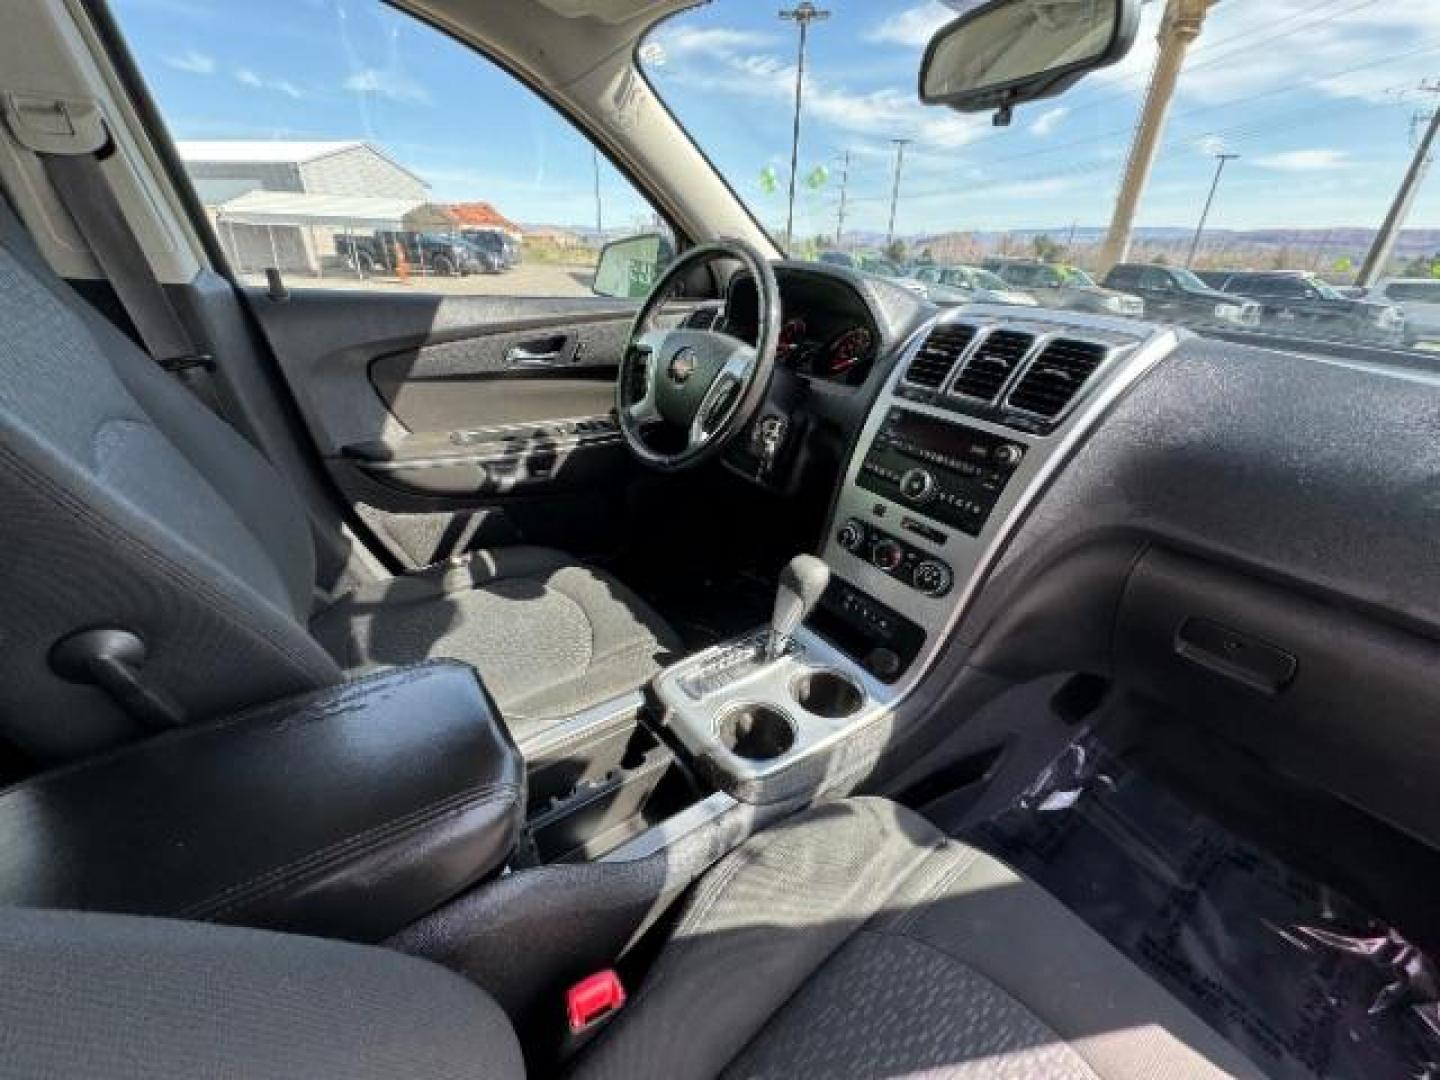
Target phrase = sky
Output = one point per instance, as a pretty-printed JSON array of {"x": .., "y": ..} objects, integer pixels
[{"x": 1317, "y": 96}]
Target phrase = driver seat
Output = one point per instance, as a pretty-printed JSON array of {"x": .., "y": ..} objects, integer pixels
[{"x": 130, "y": 507}]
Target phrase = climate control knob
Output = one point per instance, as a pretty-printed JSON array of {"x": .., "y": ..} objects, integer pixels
[
  {"x": 932, "y": 577},
  {"x": 852, "y": 535},
  {"x": 917, "y": 485},
  {"x": 887, "y": 555}
]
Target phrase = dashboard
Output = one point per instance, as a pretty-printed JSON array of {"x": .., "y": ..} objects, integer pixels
[{"x": 827, "y": 331}]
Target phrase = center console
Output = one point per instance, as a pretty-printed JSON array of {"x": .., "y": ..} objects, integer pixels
[{"x": 981, "y": 409}]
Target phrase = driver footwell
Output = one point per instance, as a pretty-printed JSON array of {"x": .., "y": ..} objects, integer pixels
[{"x": 1298, "y": 976}]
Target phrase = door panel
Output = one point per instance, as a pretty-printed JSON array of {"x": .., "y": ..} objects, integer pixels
[{"x": 444, "y": 428}]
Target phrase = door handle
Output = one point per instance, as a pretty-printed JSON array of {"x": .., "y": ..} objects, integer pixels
[{"x": 545, "y": 353}]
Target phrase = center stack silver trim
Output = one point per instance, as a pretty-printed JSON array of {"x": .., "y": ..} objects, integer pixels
[{"x": 1135, "y": 349}]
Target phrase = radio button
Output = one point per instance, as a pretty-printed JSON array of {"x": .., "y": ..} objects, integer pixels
[{"x": 917, "y": 485}]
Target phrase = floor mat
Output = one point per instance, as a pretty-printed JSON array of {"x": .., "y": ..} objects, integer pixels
[{"x": 1298, "y": 977}]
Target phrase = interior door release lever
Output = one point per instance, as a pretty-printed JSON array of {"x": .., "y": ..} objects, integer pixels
[{"x": 536, "y": 353}]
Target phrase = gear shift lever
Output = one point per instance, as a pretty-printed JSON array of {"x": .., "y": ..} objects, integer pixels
[{"x": 801, "y": 584}]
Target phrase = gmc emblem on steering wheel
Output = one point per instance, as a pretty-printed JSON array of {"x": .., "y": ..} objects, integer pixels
[{"x": 682, "y": 366}]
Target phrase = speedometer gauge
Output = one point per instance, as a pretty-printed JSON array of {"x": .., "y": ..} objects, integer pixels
[{"x": 847, "y": 350}]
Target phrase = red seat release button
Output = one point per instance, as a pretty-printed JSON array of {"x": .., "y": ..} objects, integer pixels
[{"x": 593, "y": 998}]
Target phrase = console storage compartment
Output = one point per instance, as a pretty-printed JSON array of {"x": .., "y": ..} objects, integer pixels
[{"x": 347, "y": 813}]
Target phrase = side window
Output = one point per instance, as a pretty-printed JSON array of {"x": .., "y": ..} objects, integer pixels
[
  {"x": 350, "y": 145},
  {"x": 1155, "y": 280},
  {"x": 1124, "y": 277}
]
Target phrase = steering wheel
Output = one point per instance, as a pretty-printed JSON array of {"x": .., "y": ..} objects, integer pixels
[{"x": 703, "y": 383}]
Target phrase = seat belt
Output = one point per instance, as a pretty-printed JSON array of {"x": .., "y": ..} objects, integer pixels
[{"x": 70, "y": 139}]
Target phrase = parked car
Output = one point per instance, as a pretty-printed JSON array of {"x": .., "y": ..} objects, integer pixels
[
  {"x": 870, "y": 263},
  {"x": 838, "y": 258},
  {"x": 1419, "y": 298},
  {"x": 967, "y": 285},
  {"x": 502, "y": 246},
  {"x": 1058, "y": 285},
  {"x": 1175, "y": 294},
  {"x": 425, "y": 253},
  {"x": 1293, "y": 301}
]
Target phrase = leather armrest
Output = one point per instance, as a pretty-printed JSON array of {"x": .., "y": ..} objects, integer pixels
[{"x": 347, "y": 813}]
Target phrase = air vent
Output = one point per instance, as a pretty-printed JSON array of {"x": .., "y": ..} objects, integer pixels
[
  {"x": 1056, "y": 377},
  {"x": 993, "y": 363},
  {"x": 938, "y": 356}
]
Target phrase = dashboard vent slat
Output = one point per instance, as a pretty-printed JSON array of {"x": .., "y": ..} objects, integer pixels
[
  {"x": 937, "y": 358},
  {"x": 1056, "y": 377},
  {"x": 992, "y": 365}
]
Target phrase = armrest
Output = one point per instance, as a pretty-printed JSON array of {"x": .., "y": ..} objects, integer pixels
[{"x": 346, "y": 813}]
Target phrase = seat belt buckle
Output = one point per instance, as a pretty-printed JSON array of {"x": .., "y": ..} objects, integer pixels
[
  {"x": 176, "y": 364},
  {"x": 593, "y": 1000}
]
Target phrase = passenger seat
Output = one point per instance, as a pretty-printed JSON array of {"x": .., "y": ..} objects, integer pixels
[{"x": 852, "y": 941}]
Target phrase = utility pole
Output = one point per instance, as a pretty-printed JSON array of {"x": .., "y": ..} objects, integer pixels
[
  {"x": 844, "y": 185},
  {"x": 1223, "y": 160},
  {"x": 599, "y": 217},
  {"x": 900, "y": 145},
  {"x": 803, "y": 14},
  {"x": 1384, "y": 246},
  {"x": 1178, "y": 30}
]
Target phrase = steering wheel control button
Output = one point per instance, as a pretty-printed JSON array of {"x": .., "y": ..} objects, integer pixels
[
  {"x": 852, "y": 536},
  {"x": 933, "y": 578},
  {"x": 917, "y": 485}
]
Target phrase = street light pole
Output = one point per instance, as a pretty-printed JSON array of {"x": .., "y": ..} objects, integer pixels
[
  {"x": 803, "y": 14},
  {"x": 844, "y": 186},
  {"x": 599, "y": 216},
  {"x": 1223, "y": 160},
  {"x": 1378, "y": 257},
  {"x": 900, "y": 145}
]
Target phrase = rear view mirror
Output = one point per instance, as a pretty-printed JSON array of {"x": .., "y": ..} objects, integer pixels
[{"x": 1007, "y": 52}]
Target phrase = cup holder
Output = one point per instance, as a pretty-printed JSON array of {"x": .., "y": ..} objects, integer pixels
[
  {"x": 827, "y": 694},
  {"x": 756, "y": 732}
]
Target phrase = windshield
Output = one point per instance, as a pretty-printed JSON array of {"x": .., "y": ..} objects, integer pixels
[{"x": 1287, "y": 138}]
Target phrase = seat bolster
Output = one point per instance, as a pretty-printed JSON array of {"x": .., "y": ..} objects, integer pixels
[
  {"x": 761, "y": 923},
  {"x": 129, "y": 998},
  {"x": 855, "y": 941}
]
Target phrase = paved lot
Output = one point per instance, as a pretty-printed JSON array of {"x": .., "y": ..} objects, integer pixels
[{"x": 523, "y": 280}]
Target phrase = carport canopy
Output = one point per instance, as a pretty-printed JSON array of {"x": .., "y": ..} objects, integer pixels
[{"x": 307, "y": 208}]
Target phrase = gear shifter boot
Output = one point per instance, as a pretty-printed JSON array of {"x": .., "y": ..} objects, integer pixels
[{"x": 802, "y": 583}]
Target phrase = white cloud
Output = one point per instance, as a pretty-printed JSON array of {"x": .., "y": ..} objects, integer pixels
[
  {"x": 391, "y": 85},
  {"x": 721, "y": 64},
  {"x": 193, "y": 62},
  {"x": 1049, "y": 120},
  {"x": 913, "y": 27},
  {"x": 1316, "y": 160},
  {"x": 687, "y": 40},
  {"x": 249, "y": 77}
]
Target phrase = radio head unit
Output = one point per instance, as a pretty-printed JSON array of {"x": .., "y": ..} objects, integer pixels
[{"x": 945, "y": 470}]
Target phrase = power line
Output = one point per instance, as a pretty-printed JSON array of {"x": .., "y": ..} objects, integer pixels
[
  {"x": 1085, "y": 106},
  {"x": 1327, "y": 106}
]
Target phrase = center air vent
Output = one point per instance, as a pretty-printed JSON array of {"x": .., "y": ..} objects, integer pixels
[
  {"x": 993, "y": 363},
  {"x": 938, "y": 356},
  {"x": 1056, "y": 376}
]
